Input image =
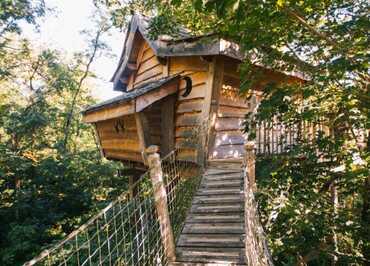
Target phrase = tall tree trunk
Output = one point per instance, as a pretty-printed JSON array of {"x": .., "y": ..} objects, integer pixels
[
  {"x": 365, "y": 212},
  {"x": 334, "y": 199}
]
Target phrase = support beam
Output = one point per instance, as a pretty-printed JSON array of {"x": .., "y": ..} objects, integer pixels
[
  {"x": 250, "y": 164},
  {"x": 143, "y": 132},
  {"x": 160, "y": 200},
  {"x": 211, "y": 103},
  {"x": 168, "y": 125}
]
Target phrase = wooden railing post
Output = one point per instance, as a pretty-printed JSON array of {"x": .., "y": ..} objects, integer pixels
[
  {"x": 250, "y": 164},
  {"x": 160, "y": 200}
]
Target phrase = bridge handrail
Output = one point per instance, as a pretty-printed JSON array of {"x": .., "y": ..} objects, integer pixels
[
  {"x": 126, "y": 230},
  {"x": 257, "y": 252}
]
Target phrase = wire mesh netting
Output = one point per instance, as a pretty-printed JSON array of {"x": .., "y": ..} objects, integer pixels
[
  {"x": 182, "y": 179},
  {"x": 127, "y": 231},
  {"x": 257, "y": 250}
]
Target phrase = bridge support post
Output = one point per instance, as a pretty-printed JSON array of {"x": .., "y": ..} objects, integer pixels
[
  {"x": 250, "y": 164},
  {"x": 160, "y": 200}
]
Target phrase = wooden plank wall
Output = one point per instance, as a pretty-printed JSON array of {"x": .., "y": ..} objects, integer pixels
[
  {"x": 229, "y": 138},
  {"x": 153, "y": 115},
  {"x": 148, "y": 67},
  {"x": 119, "y": 139},
  {"x": 188, "y": 124}
]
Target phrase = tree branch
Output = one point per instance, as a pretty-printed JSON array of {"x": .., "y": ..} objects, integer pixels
[{"x": 79, "y": 86}]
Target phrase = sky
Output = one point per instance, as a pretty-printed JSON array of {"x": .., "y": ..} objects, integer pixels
[{"x": 61, "y": 30}]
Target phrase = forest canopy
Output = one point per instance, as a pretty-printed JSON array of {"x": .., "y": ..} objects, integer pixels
[
  {"x": 52, "y": 176},
  {"x": 314, "y": 200}
]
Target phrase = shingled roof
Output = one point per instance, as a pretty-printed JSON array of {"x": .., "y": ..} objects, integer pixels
[
  {"x": 183, "y": 45},
  {"x": 128, "y": 96}
]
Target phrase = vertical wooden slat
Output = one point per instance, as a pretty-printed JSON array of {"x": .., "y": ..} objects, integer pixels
[
  {"x": 143, "y": 131},
  {"x": 168, "y": 125},
  {"x": 211, "y": 103}
]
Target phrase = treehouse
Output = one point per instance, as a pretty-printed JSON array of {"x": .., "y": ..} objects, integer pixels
[{"x": 177, "y": 93}]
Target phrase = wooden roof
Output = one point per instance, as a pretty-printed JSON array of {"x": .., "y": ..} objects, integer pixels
[
  {"x": 133, "y": 101},
  {"x": 185, "y": 45}
]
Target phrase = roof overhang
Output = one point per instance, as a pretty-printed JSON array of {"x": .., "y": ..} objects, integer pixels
[
  {"x": 166, "y": 46},
  {"x": 132, "y": 102},
  {"x": 187, "y": 45}
]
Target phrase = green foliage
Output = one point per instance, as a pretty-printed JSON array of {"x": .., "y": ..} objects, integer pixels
[
  {"x": 327, "y": 42},
  {"x": 13, "y": 11},
  {"x": 47, "y": 191},
  {"x": 52, "y": 177}
]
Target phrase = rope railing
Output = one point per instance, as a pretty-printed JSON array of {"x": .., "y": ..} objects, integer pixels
[
  {"x": 256, "y": 249},
  {"x": 128, "y": 231},
  {"x": 182, "y": 179}
]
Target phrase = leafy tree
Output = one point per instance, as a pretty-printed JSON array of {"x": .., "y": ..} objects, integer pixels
[
  {"x": 327, "y": 42},
  {"x": 52, "y": 177}
]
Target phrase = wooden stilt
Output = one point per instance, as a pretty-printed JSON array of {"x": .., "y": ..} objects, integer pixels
[
  {"x": 250, "y": 163},
  {"x": 160, "y": 199}
]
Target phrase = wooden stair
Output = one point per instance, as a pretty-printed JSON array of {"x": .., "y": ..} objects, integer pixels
[{"x": 214, "y": 233}]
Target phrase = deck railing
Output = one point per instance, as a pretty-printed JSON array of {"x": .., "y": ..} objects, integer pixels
[
  {"x": 276, "y": 138},
  {"x": 128, "y": 231}
]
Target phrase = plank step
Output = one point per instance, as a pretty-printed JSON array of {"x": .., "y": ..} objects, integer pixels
[
  {"x": 218, "y": 263},
  {"x": 211, "y": 240},
  {"x": 222, "y": 183},
  {"x": 218, "y": 199},
  {"x": 218, "y": 172},
  {"x": 213, "y": 255},
  {"x": 207, "y": 208},
  {"x": 218, "y": 191},
  {"x": 215, "y": 217},
  {"x": 222, "y": 177},
  {"x": 213, "y": 228}
]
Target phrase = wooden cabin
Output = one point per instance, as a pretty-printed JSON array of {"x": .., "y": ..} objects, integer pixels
[{"x": 176, "y": 93}]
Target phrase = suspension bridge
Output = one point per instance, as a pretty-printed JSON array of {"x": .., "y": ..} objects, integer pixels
[{"x": 178, "y": 214}]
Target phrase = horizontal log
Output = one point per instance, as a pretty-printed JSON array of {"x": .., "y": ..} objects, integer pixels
[
  {"x": 225, "y": 138},
  {"x": 109, "y": 112},
  {"x": 123, "y": 155},
  {"x": 198, "y": 91},
  {"x": 120, "y": 135},
  {"x": 194, "y": 105},
  {"x": 234, "y": 102},
  {"x": 148, "y": 53},
  {"x": 191, "y": 143},
  {"x": 186, "y": 132},
  {"x": 197, "y": 78},
  {"x": 228, "y": 123},
  {"x": 188, "y": 120},
  {"x": 121, "y": 144},
  {"x": 230, "y": 111},
  {"x": 146, "y": 65},
  {"x": 227, "y": 151},
  {"x": 127, "y": 122},
  {"x": 150, "y": 73},
  {"x": 187, "y": 63}
]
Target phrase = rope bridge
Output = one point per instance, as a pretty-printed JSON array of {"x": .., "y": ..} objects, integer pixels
[
  {"x": 141, "y": 226},
  {"x": 128, "y": 230}
]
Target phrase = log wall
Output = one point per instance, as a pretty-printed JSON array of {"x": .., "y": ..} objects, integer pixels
[
  {"x": 188, "y": 124},
  {"x": 229, "y": 138},
  {"x": 148, "y": 67},
  {"x": 119, "y": 138}
]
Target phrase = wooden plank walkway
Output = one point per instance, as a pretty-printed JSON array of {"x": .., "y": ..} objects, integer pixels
[{"x": 214, "y": 233}]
